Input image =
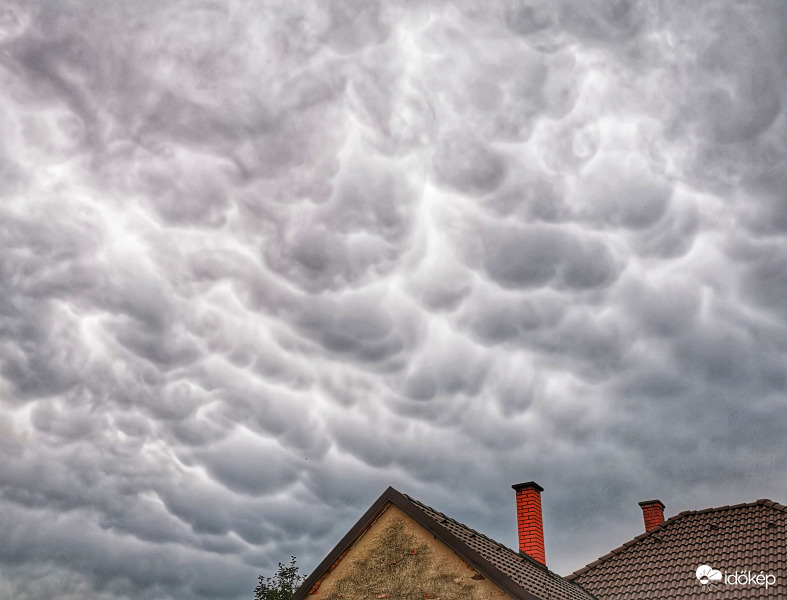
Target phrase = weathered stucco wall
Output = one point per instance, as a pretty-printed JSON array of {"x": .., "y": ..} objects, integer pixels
[{"x": 397, "y": 559}]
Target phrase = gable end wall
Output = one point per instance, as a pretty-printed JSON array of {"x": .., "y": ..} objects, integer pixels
[{"x": 398, "y": 559}]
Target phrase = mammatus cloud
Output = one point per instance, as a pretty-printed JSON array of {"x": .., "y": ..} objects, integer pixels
[{"x": 261, "y": 260}]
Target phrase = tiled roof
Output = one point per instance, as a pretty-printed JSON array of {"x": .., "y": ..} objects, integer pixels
[
  {"x": 523, "y": 570},
  {"x": 662, "y": 563}
]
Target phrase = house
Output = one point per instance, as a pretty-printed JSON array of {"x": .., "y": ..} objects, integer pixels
[{"x": 402, "y": 549}]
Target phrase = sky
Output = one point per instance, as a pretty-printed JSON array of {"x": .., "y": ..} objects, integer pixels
[{"x": 260, "y": 260}]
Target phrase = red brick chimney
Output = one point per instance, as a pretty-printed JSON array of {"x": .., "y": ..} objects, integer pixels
[
  {"x": 652, "y": 512},
  {"x": 529, "y": 522}
]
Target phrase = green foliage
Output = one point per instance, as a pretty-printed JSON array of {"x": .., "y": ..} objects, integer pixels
[{"x": 282, "y": 585}]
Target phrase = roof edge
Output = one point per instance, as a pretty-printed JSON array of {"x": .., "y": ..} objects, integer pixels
[{"x": 333, "y": 557}]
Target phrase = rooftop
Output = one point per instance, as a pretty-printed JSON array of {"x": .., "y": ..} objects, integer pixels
[{"x": 662, "y": 562}]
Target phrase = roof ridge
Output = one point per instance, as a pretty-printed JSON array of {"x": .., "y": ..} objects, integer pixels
[
  {"x": 663, "y": 525},
  {"x": 771, "y": 504}
]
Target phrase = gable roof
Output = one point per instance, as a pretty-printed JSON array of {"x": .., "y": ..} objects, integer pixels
[
  {"x": 516, "y": 574},
  {"x": 662, "y": 562}
]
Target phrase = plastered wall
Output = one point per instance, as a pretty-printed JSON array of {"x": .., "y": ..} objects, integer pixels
[{"x": 396, "y": 559}]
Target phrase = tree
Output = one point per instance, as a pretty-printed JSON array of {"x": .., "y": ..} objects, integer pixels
[{"x": 282, "y": 585}]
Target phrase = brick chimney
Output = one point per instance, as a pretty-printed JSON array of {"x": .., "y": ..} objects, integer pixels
[
  {"x": 652, "y": 512},
  {"x": 529, "y": 522}
]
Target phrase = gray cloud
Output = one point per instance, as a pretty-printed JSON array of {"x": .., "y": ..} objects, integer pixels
[{"x": 262, "y": 260}]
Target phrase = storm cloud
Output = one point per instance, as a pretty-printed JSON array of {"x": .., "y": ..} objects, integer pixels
[{"x": 260, "y": 260}]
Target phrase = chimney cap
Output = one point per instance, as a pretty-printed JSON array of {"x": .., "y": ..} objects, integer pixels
[
  {"x": 649, "y": 502},
  {"x": 526, "y": 485}
]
